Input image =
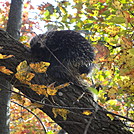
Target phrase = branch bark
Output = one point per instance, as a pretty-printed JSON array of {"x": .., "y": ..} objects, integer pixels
[{"x": 76, "y": 123}]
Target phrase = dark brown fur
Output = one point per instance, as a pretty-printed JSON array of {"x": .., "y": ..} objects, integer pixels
[{"x": 69, "y": 53}]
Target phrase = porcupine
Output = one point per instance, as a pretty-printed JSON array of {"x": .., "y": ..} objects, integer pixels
[{"x": 67, "y": 51}]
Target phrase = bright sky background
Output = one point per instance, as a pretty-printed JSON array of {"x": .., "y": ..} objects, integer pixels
[
  {"x": 35, "y": 3},
  {"x": 38, "y": 2}
]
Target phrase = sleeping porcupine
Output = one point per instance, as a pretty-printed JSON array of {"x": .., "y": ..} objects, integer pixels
[{"x": 68, "y": 53}]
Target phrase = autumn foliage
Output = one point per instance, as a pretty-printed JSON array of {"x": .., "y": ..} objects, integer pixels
[{"x": 109, "y": 26}]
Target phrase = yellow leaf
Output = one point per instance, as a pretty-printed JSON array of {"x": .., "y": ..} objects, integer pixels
[
  {"x": 110, "y": 116},
  {"x": 62, "y": 112},
  {"x": 94, "y": 38},
  {"x": 40, "y": 67},
  {"x": 24, "y": 76},
  {"x": 16, "y": 97},
  {"x": 22, "y": 66},
  {"x": 29, "y": 76},
  {"x": 112, "y": 93},
  {"x": 51, "y": 90},
  {"x": 40, "y": 89},
  {"x": 112, "y": 30},
  {"x": 87, "y": 112},
  {"x": 62, "y": 9},
  {"x": 5, "y": 56},
  {"x": 112, "y": 102},
  {"x": 23, "y": 38},
  {"x": 5, "y": 71},
  {"x": 84, "y": 76},
  {"x": 23, "y": 73},
  {"x": 62, "y": 86},
  {"x": 117, "y": 4}
]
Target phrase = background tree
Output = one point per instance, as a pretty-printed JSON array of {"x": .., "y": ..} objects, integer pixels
[
  {"x": 13, "y": 28},
  {"x": 109, "y": 26}
]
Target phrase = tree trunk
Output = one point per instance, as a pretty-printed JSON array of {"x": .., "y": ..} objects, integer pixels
[
  {"x": 74, "y": 97},
  {"x": 13, "y": 27},
  {"x": 14, "y": 21},
  {"x": 4, "y": 106}
]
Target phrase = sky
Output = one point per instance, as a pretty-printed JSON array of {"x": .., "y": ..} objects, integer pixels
[
  {"x": 35, "y": 3},
  {"x": 38, "y": 2}
]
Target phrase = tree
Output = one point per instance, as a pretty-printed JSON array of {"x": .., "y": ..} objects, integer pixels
[
  {"x": 97, "y": 122},
  {"x": 13, "y": 28},
  {"x": 96, "y": 119}
]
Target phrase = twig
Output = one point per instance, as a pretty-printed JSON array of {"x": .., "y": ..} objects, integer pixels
[
  {"x": 90, "y": 120},
  {"x": 119, "y": 116},
  {"x": 53, "y": 106}
]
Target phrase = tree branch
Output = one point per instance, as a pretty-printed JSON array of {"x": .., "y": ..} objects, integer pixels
[{"x": 68, "y": 99}]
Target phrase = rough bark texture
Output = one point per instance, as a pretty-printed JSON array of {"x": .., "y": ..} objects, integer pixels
[
  {"x": 4, "y": 106},
  {"x": 13, "y": 27},
  {"x": 14, "y": 21},
  {"x": 76, "y": 123}
]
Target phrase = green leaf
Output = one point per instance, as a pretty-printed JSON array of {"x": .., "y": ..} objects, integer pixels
[
  {"x": 93, "y": 90},
  {"x": 87, "y": 26},
  {"x": 117, "y": 20},
  {"x": 107, "y": 13},
  {"x": 46, "y": 15},
  {"x": 50, "y": 132},
  {"x": 131, "y": 51}
]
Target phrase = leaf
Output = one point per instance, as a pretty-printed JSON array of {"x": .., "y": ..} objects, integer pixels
[
  {"x": 93, "y": 90},
  {"x": 23, "y": 73},
  {"x": 62, "y": 112},
  {"x": 87, "y": 112},
  {"x": 40, "y": 89},
  {"x": 23, "y": 38},
  {"x": 22, "y": 66},
  {"x": 112, "y": 93},
  {"x": 5, "y": 71},
  {"x": 112, "y": 30},
  {"x": 131, "y": 51},
  {"x": 110, "y": 116},
  {"x": 46, "y": 14},
  {"x": 94, "y": 38},
  {"x": 51, "y": 90},
  {"x": 24, "y": 77},
  {"x": 16, "y": 97},
  {"x": 128, "y": 43},
  {"x": 40, "y": 67},
  {"x": 102, "y": 1},
  {"x": 127, "y": 16},
  {"x": 84, "y": 76},
  {"x": 102, "y": 51},
  {"x": 62, "y": 9},
  {"x": 112, "y": 102},
  {"x": 50, "y": 132},
  {"x": 117, "y": 4},
  {"x": 117, "y": 20},
  {"x": 5, "y": 56},
  {"x": 62, "y": 86}
]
